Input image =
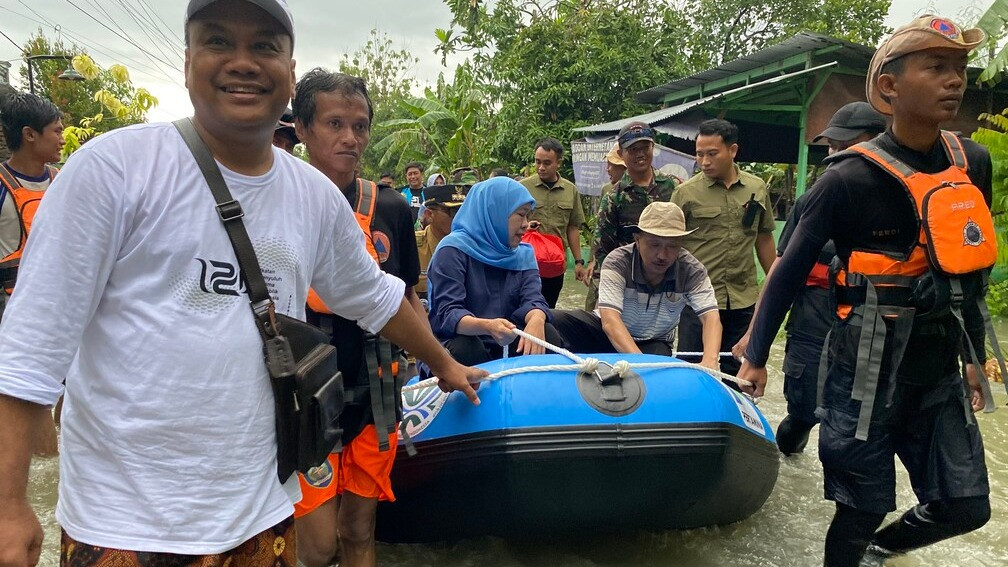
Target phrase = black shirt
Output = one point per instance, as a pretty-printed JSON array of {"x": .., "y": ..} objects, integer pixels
[
  {"x": 858, "y": 205},
  {"x": 395, "y": 242}
]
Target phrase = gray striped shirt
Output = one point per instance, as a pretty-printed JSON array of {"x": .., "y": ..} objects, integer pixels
[{"x": 653, "y": 312}]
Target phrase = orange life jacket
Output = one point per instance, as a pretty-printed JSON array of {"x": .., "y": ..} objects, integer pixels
[
  {"x": 956, "y": 228},
  {"x": 367, "y": 195},
  {"x": 956, "y": 238},
  {"x": 26, "y": 202}
]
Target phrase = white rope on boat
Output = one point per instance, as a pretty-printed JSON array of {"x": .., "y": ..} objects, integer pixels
[{"x": 590, "y": 365}]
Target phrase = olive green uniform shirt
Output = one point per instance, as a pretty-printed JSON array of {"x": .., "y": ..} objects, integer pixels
[
  {"x": 722, "y": 244},
  {"x": 426, "y": 242},
  {"x": 556, "y": 208}
]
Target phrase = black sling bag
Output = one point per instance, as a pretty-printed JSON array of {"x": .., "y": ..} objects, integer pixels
[{"x": 307, "y": 386}]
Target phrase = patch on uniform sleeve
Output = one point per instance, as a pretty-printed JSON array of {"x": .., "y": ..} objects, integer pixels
[
  {"x": 320, "y": 476},
  {"x": 382, "y": 245}
]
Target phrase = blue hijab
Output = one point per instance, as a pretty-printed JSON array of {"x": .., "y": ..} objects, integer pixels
[{"x": 480, "y": 228}]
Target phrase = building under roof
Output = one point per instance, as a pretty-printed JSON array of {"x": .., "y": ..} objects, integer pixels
[{"x": 781, "y": 97}]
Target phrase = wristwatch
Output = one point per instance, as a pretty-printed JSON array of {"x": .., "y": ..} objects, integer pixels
[{"x": 579, "y": 262}]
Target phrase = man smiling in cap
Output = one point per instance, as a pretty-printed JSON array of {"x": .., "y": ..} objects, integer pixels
[
  {"x": 642, "y": 291},
  {"x": 169, "y": 436}
]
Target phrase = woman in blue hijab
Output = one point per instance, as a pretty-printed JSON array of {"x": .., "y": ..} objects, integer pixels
[{"x": 483, "y": 281}]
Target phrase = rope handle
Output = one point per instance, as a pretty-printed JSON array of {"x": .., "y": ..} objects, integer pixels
[{"x": 590, "y": 366}]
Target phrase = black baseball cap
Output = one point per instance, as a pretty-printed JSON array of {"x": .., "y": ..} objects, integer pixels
[
  {"x": 852, "y": 120},
  {"x": 635, "y": 132},
  {"x": 445, "y": 195}
]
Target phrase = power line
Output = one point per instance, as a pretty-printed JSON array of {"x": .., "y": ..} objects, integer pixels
[
  {"x": 147, "y": 30},
  {"x": 124, "y": 38},
  {"x": 123, "y": 30},
  {"x": 160, "y": 28},
  {"x": 10, "y": 40},
  {"x": 93, "y": 46},
  {"x": 170, "y": 29}
]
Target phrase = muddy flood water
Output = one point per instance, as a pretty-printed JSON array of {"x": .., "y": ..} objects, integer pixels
[{"x": 787, "y": 532}]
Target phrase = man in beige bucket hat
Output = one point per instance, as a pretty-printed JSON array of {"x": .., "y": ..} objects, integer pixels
[
  {"x": 662, "y": 278},
  {"x": 896, "y": 393}
]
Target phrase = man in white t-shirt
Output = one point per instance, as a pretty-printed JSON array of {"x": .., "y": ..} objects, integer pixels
[{"x": 168, "y": 441}]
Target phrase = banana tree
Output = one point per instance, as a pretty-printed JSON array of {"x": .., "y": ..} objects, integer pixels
[{"x": 446, "y": 128}]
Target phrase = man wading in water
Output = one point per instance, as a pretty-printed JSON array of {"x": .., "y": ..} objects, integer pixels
[{"x": 889, "y": 314}]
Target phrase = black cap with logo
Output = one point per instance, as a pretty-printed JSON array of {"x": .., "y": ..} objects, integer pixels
[{"x": 445, "y": 195}]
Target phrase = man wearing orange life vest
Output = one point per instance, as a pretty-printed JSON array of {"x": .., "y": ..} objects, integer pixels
[
  {"x": 337, "y": 512},
  {"x": 34, "y": 132},
  {"x": 908, "y": 268}
]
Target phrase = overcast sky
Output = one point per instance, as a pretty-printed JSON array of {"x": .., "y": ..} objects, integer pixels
[{"x": 325, "y": 30}]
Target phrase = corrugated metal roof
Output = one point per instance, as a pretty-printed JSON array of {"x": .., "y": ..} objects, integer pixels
[
  {"x": 802, "y": 43},
  {"x": 658, "y": 117}
]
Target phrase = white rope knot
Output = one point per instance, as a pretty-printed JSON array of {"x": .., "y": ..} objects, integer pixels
[
  {"x": 589, "y": 365},
  {"x": 622, "y": 368}
]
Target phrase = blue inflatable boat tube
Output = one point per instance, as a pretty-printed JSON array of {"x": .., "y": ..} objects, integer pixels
[{"x": 557, "y": 452}]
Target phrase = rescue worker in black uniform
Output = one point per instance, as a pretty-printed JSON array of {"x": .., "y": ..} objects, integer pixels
[
  {"x": 810, "y": 317},
  {"x": 912, "y": 403}
]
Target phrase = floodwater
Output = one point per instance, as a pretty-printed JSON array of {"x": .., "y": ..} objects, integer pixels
[{"x": 787, "y": 532}]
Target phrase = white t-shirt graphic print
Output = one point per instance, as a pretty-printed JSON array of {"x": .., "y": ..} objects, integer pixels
[{"x": 168, "y": 426}]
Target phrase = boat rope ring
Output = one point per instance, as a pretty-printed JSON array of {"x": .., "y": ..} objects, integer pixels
[{"x": 614, "y": 390}]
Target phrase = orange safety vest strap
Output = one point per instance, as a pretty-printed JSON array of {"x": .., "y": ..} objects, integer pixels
[
  {"x": 25, "y": 202},
  {"x": 364, "y": 208},
  {"x": 954, "y": 149},
  {"x": 9, "y": 181},
  {"x": 875, "y": 154}
]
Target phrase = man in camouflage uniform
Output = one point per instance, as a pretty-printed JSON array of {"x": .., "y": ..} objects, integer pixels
[
  {"x": 620, "y": 210},
  {"x": 615, "y": 169}
]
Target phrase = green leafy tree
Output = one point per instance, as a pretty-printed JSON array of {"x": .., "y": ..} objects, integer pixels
[
  {"x": 105, "y": 94},
  {"x": 994, "y": 55},
  {"x": 551, "y": 65},
  {"x": 445, "y": 128},
  {"x": 724, "y": 30},
  {"x": 994, "y": 136},
  {"x": 390, "y": 77},
  {"x": 116, "y": 111}
]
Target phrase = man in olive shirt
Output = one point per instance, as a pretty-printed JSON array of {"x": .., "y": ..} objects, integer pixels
[
  {"x": 731, "y": 213},
  {"x": 558, "y": 210},
  {"x": 443, "y": 201}
]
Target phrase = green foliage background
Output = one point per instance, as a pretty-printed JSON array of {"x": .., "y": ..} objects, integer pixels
[
  {"x": 75, "y": 99},
  {"x": 548, "y": 66},
  {"x": 995, "y": 138}
]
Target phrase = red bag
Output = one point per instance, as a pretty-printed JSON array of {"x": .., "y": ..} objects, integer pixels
[{"x": 549, "y": 253}]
